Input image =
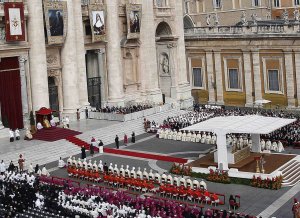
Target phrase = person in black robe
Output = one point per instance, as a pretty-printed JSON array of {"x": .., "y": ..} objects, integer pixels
[
  {"x": 117, "y": 141},
  {"x": 83, "y": 154},
  {"x": 92, "y": 149},
  {"x": 133, "y": 137}
]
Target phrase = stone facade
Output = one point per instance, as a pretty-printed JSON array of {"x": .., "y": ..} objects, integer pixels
[{"x": 121, "y": 70}]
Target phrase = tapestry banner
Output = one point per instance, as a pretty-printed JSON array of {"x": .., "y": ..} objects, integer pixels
[
  {"x": 134, "y": 15},
  {"x": 14, "y": 21},
  {"x": 56, "y": 17},
  {"x": 97, "y": 13}
]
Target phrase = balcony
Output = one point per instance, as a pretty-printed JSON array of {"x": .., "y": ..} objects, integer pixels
[{"x": 260, "y": 31}]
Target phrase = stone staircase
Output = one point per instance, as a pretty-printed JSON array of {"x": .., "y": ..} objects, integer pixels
[
  {"x": 46, "y": 152},
  {"x": 107, "y": 134},
  {"x": 291, "y": 172}
]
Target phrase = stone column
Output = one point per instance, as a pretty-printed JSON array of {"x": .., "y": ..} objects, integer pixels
[
  {"x": 297, "y": 66},
  {"x": 210, "y": 77},
  {"x": 148, "y": 58},
  {"x": 102, "y": 74},
  {"x": 256, "y": 146},
  {"x": 289, "y": 69},
  {"x": 219, "y": 78},
  {"x": 37, "y": 55},
  {"x": 114, "y": 58},
  {"x": 184, "y": 88},
  {"x": 248, "y": 78},
  {"x": 69, "y": 67},
  {"x": 257, "y": 75},
  {"x": 80, "y": 52}
]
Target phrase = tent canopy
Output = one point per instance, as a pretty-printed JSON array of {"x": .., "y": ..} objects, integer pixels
[{"x": 251, "y": 124}]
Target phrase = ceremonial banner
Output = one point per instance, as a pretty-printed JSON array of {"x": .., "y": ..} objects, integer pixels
[
  {"x": 14, "y": 21},
  {"x": 56, "y": 17},
  {"x": 134, "y": 15},
  {"x": 97, "y": 14}
]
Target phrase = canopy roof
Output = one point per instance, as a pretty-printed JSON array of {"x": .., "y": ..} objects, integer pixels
[
  {"x": 252, "y": 124},
  {"x": 44, "y": 111}
]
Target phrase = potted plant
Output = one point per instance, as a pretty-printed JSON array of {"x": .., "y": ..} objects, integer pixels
[{"x": 32, "y": 123}]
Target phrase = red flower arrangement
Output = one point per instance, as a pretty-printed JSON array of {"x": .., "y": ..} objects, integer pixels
[
  {"x": 274, "y": 183},
  {"x": 181, "y": 169},
  {"x": 220, "y": 176}
]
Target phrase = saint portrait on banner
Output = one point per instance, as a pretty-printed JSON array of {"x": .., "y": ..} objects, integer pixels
[
  {"x": 98, "y": 22},
  {"x": 56, "y": 22},
  {"x": 134, "y": 22}
]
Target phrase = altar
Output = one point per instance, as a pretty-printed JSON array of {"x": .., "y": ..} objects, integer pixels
[{"x": 235, "y": 157}]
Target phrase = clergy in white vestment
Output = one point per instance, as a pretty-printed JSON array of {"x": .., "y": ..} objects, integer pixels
[
  {"x": 11, "y": 135},
  {"x": 39, "y": 126},
  {"x": 45, "y": 172},
  {"x": 17, "y": 134},
  {"x": 52, "y": 122},
  {"x": 61, "y": 163},
  {"x": 30, "y": 169}
]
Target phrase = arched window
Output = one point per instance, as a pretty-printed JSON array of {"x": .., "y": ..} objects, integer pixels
[
  {"x": 188, "y": 22},
  {"x": 163, "y": 29}
]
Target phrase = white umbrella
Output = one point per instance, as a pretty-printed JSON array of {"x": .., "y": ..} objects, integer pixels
[{"x": 262, "y": 101}]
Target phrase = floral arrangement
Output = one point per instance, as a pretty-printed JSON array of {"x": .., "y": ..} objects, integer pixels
[
  {"x": 220, "y": 176},
  {"x": 181, "y": 169},
  {"x": 274, "y": 183}
]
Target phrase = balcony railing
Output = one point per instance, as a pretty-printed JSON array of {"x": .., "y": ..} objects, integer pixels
[{"x": 241, "y": 31}]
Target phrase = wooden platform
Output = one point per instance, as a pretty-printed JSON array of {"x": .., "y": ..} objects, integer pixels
[{"x": 273, "y": 162}]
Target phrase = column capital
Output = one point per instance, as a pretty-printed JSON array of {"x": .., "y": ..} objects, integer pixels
[
  {"x": 254, "y": 50},
  {"x": 22, "y": 58}
]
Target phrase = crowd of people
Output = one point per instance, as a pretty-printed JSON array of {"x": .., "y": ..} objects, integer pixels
[
  {"x": 124, "y": 110},
  {"x": 289, "y": 135}
]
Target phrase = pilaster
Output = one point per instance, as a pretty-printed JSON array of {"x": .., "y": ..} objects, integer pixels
[
  {"x": 210, "y": 77},
  {"x": 37, "y": 55},
  {"x": 103, "y": 76},
  {"x": 257, "y": 75},
  {"x": 219, "y": 78},
  {"x": 248, "y": 78},
  {"x": 289, "y": 70},
  {"x": 297, "y": 66},
  {"x": 22, "y": 60}
]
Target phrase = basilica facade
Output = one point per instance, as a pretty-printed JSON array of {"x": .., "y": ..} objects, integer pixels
[
  {"x": 243, "y": 52},
  {"x": 89, "y": 53}
]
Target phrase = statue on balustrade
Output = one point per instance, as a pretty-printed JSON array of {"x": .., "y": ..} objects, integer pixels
[
  {"x": 296, "y": 15},
  {"x": 285, "y": 16},
  {"x": 244, "y": 19}
]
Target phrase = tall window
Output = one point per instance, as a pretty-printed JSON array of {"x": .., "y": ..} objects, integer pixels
[
  {"x": 276, "y": 3},
  {"x": 161, "y": 3},
  {"x": 273, "y": 80},
  {"x": 217, "y": 4},
  {"x": 186, "y": 6},
  {"x": 233, "y": 79},
  {"x": 197, "y": 77},
  {"x": 256, "y": 3},
  {"x": 297, "y": 2}
]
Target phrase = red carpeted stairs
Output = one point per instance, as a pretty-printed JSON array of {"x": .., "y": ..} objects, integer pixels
[
  {"x": 54, "y": 134},
  {"x": 81, "y": 143}
]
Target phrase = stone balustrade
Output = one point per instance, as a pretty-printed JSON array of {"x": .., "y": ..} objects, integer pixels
[{"x": 291, "y": 30}]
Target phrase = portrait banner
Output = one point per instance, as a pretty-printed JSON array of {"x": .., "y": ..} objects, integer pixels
[
  {"x": 56, "y": 17},
  {"x": 14, "y": 21},
  {"x": 97, "y": 13},
  {"x": 134, "y": 15}
]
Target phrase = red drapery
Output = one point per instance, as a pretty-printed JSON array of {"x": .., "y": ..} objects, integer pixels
[{"x": 10, "y": 92}]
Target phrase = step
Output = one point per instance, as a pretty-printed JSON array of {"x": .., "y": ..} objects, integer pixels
[
  {"x": 291, "y": 169},
  {"x": 285, "y": 166},
  {"x": 292, "y": 177}
]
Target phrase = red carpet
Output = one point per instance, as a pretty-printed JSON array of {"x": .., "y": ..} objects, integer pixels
[
  {"x": 81, "y": 143},
  {"x": 54, "y": 134}
]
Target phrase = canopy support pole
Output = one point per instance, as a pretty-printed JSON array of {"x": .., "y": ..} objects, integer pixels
[
  {"x": 256, "y": 146},
  {"x": 222, "y": 151}
]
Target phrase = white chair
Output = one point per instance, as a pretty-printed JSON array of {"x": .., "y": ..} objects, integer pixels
[
  {"x": 145, "y": 175},
  {"x": 179, "y": 136},
  {"x": 139, "y": 173}
]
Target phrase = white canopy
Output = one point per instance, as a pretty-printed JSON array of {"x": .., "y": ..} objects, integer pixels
[{"x": 252, "y": 124}]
